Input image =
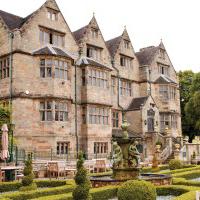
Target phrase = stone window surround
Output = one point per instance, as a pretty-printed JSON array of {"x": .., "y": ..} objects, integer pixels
[
  {"x": 97, "y": 77},
  {"x": 113, "y": 85},
  {"x": 53, "y": 68},
  {"x": 126, "y": 61},
  {"x": 49, "y": 111},
  {"x": 100, "y": 147},
  {"x": 163, "y": 69},
  {"x": 95, "y": 115},
  {"x": 168, "y": 120},
  {"x": 94, "y": 32},
  {"x": 126, "y": 44},
  {"x": 162, "y": 53},
  {"x": 125, "y": 87},
  {"x": 115, "y": 119},
  {"x": 167, "y": 92},
  {"x": 62, "y": 148},
  {"x": 4, "y": 67},
  {"x": 53, "y": 37},
  {"x": 52, "y": 14},
  {"x": 94, "y": 52}
]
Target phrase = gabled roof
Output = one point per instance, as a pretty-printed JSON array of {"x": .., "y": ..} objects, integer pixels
[
  {"x": 88, "y": 61},
  {"x": 137, "y": 103},
  {"x": 13, "y": 21},
  {"x": 162, "y": 79},
  {"x": 80, "y": 33},
  {"x": 146, "y": 55},
  {"x": 113, "y": 45},
  {"x": 47, "y": 50}
]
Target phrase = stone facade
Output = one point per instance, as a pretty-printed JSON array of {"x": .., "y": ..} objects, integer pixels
[{"x": 75, "y": 88}]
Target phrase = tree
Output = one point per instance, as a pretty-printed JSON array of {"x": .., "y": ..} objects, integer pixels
[
  {"x": 192, "y": 107},
  {"x": 190, "y": 103},
  {"x": 82, "y": 181},
  {"x": 4, "y": 115},
  {"x": 186, "y": 81}
]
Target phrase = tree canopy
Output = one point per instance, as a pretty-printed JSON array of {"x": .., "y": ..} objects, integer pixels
[
  {"x": 190, "y": 102},
  {"x": 4, "y": 115}
]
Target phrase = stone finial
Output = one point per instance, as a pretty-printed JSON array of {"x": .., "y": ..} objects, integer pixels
[
  {"x": 124, "y": 127},
  {"x": 4, "y": 128}
]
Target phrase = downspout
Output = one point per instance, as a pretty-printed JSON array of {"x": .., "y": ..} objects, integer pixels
[
  {"x": 76, "y": 121},
  {"x": 118, "y": 86},
  {"x": 11, "y": 37}
]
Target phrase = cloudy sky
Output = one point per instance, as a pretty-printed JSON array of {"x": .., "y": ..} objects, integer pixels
[{"x": 147, "y": 21}]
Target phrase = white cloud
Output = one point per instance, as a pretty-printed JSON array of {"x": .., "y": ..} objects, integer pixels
[{"x": 175, "y": 21}]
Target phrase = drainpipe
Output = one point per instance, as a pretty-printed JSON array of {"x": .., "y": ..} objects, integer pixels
[
  {"x": 118, "y": 86},
  {"x": 11, "y": 37},
  {"x": 76, "y": 125}
]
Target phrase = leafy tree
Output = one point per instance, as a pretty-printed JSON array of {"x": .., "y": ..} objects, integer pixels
[
  {"x": 186, "y": 81},
  {"x": 83, "y": 183},
  {"x": 190, "y": 103},
  {"x": 4, "y": 115}
]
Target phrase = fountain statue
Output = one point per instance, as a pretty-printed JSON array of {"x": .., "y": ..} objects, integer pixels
[
  {"x": 125, "y": 156},
  {"x": 126, "y": 163}
]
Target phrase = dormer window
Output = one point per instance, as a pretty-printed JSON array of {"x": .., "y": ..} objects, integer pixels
[
  {"x": 126, "y": 61},
  {"x": 94, "y": 52},
  {"x": 126, "y": 44},
  {"x": 163, "y": 69},
  {"x": 162, "y": 54},
  {"x": 52, "y": 14},
  {"x": 51, "y": 37},
  {"x": 94, "y": 33}
]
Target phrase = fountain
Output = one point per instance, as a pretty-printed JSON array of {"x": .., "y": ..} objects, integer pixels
[{"x": 126, "y": 163}]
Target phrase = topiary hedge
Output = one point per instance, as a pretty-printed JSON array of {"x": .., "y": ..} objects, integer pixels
[
  {"x": 175, "y": 164},
  {"x": 136, "y": 190}
]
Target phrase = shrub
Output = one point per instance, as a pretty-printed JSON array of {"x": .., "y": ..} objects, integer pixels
[
  {"x": 83, "y": 183},
  {"x": 52, "y": 183},
  {"x": 136, "y": 190},
  {"x": 175, "y": 164},
  {"x": 33, "y": 186},
  {"x": 39, "y": 193},
  {"x": 102, "y": 193},
  {"x": 188, "y": 174},
  {"x": 28, "y": 172}
]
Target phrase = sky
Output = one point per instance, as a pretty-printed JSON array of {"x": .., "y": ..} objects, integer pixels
[{"x": 176, "y": 22}]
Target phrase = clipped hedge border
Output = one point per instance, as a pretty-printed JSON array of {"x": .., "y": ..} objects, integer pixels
[
  {"x": 188, "y": 174},
  {"x": 14, "y": 186},
  {"x": 39, "y": 193},
  {"x": 175, "y": 190},
  {"x": 187, "y": 196},
  {"x": 181, "y": 170},
  {"x": 102, "y": 193},
  {"x": 183, "y": 181}
]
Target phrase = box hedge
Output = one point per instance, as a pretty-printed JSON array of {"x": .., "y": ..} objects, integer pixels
[
  {"x": 102, "y": 193},
  {"x": 14, "y": 186},
  {"x": 39, "y": 193},
  {"x": 188, "y": 174}
]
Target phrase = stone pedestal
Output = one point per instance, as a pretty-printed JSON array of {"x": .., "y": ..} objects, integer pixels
[{"x": 126, "y": 173}]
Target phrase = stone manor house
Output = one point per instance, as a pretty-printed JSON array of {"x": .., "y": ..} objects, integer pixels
[{"x": 72, "y": 90}]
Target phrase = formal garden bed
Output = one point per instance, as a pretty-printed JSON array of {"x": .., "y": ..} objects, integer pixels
[{"x": 183, "y": 188}]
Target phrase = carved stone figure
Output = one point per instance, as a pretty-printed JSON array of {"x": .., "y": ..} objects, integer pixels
[
  {"x": 134, "y": 155},
  {"x": 117, "y": 155}
]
